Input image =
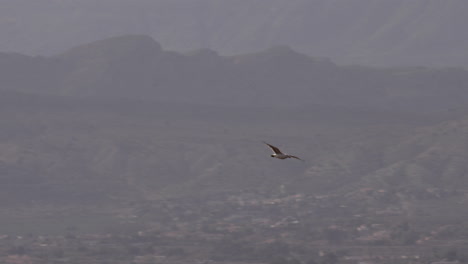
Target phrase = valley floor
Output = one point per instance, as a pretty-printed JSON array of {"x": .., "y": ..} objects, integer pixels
[{"x": 244, "y": 227}]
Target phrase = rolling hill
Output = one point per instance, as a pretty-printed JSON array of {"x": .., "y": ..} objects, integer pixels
[{"x": 69, "y": 149}]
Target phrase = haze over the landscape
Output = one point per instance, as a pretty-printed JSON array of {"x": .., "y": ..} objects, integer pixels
[
  {"x": 132, "y": 131},
  {"x": 377, "y": 32}
]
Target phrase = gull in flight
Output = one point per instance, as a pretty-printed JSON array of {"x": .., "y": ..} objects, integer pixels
[{"x": 278, "y": 154}]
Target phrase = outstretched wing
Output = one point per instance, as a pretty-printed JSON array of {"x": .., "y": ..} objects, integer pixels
[
  {"x": 291, "y": 156},
  {"x": 275, "y": 149}
]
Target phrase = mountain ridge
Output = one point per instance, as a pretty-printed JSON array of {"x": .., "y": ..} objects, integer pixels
[
  {"x": 396, "y": 33},
  {"x": 135, "y": 66}
]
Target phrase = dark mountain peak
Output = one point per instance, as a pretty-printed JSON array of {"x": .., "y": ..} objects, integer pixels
[
  {"x": 115, "y": 47},
  {"x": 112, "y": 66}
]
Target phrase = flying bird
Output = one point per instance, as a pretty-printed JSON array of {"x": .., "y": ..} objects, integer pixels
[{"x": 278, "y": 154}]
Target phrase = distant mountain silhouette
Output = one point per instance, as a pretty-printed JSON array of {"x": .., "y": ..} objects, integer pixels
[
  {"x": 136, "y": 67},
  {"x": 388, "y": 33},
  {"x": 119, "y": 66}
]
